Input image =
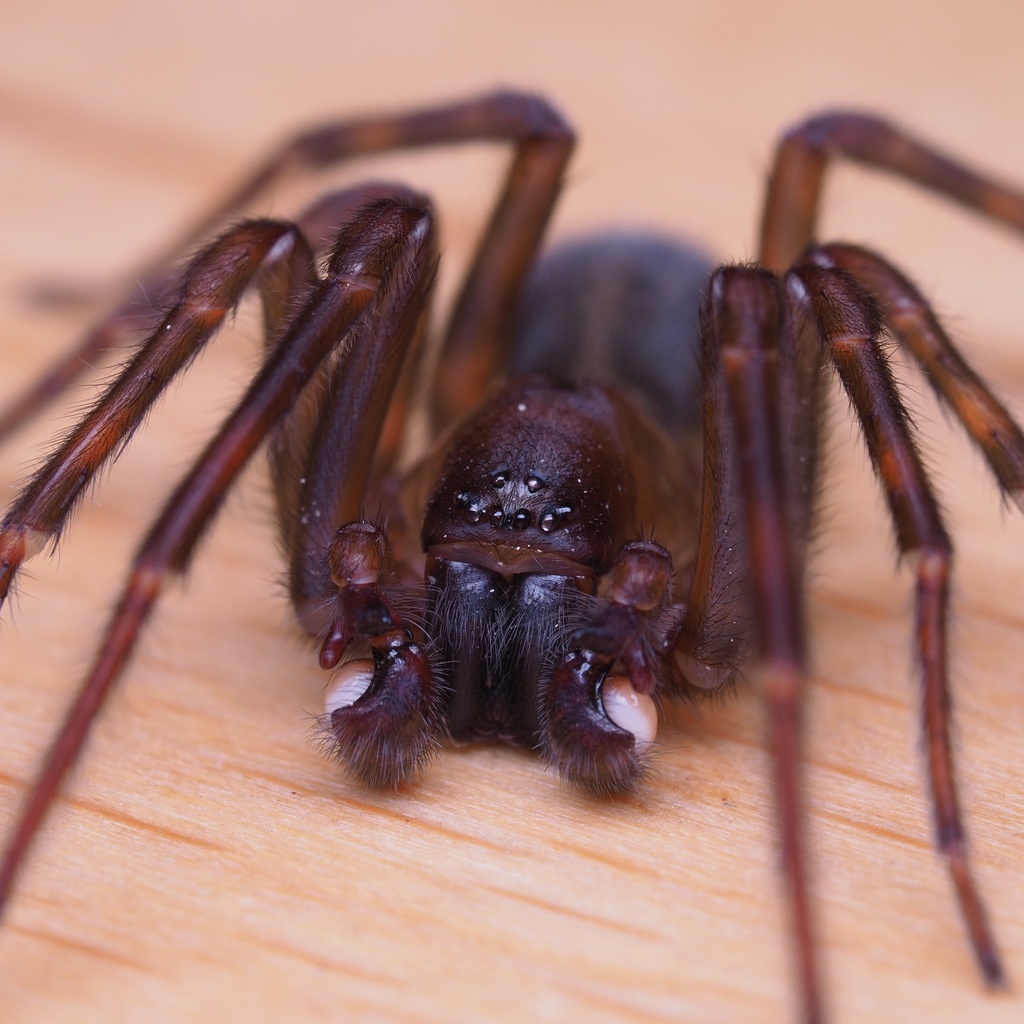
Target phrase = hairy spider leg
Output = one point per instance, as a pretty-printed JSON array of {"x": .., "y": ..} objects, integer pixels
[
  {"x": 850, "y": 324},
  {"x": 211, "y": 287},
  {"x": 378, "y": 279},
  {"x": 760, "y": 396},
  {"x": 793, "y": 197},
  {"x": 542, "y": 143},
  {"x": 912, "y": 321},
  {"x": 788, "y": 229},
  {"x": 748, "y": 586}
]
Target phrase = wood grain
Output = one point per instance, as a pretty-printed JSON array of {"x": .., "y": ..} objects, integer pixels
[{"x": 205, "y": 863}]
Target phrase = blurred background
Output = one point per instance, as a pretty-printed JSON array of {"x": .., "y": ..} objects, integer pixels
[{"x": 205, "y": 862}]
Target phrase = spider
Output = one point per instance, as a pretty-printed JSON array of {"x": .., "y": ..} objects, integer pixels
[{"x": 616, "y": 506}]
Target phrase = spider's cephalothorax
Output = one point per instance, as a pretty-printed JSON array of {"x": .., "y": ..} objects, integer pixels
[
  {"x": 616, "y": 507},
  {"x": 513, "y": 537}
]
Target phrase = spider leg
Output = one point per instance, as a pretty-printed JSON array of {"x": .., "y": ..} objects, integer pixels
[
  {"x": 543, "y": 143},
  {"x": 213, "y": 284},
  {"x": 376, "y": 283},
  {"x": 790, "y": 216},
  {"x": 284, "y": 290},
  {"x": 134, "y": 314},
  {"x": 716, "y": 631},
  {"x": 850, "y": 324},
  {"x": 285, "y": 286},
  {"x": 911, "y": 319},
  {"x": 331, "y": 456},
  {"x": 746, "y": 597}
]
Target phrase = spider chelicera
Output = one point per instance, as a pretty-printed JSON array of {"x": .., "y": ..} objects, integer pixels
[{"x": 617, "y": 504}]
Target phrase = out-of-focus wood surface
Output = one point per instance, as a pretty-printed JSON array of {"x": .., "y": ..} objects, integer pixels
[{"x": 205, "y": 863}]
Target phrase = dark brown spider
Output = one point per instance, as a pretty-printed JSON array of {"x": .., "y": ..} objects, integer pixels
[{"x": 617, "y": 504}]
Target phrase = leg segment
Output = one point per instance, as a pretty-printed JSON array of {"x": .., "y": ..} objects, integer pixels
[
  {"x": 134, "y": 314},
  {"x": 717, "y": 630},
  {"x": 850, "y": 324},
  {"x": 912, "y": 321},
  {"x": 377, "y": 282},
  {"x": 748, "y": 572},
  {"x": 213, "y": 285},
  {"x": 543, "y": 143},
  {"x": 284, "y": 291},
  {"x": 793, "y": 198}
]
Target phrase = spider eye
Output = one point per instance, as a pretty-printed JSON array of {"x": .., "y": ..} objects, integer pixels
[
  {"x": 472, "y": 504},
  {"x": 552, "y": 517}
]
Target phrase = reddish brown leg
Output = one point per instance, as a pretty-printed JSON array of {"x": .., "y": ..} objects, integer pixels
[
  {"x": 212, "y": 286},
  {"x": 749, "y": 550},
  {"x": 282, "y": 290},
  {"x": 135, "y": 313},
  {"x": 543, "y": 145},
  {"x": 909, "y": 316},
  {"x": 789, "y": 222},
  {"x": 850, "y": 324},
  {"x": 716, "y": 629},
  {"x": 477, "y": 336},
  {"x": 378, "y": 279}
]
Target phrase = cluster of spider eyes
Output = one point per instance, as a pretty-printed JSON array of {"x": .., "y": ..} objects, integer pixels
[{"x": 476, "y": 508}]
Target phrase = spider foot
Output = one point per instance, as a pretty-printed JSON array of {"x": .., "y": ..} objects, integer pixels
[{"x": 383, "y": 716}]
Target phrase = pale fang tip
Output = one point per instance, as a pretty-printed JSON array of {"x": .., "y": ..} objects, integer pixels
[
  {"x": 350, "y": 682},
  {"x": 635, "y": 712}
]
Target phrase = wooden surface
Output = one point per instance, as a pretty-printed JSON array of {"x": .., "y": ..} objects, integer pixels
[{"x": 205, "y": 863}]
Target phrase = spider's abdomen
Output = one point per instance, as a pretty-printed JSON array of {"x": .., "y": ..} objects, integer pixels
[{"x": 621, "y": 308}]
